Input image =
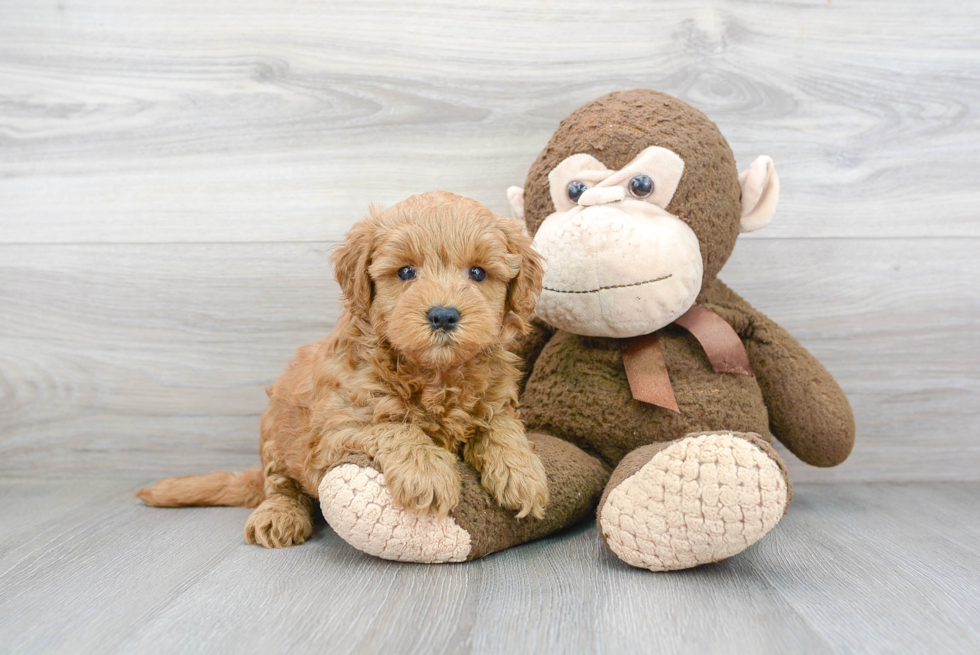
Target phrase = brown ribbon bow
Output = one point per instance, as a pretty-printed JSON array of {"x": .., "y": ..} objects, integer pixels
[{"x": 646, "y": 369}]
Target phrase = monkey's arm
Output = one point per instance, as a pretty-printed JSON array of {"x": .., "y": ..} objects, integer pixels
[
  {"x": 808, "y": 411},
  {"x": 530, "y": 345}
]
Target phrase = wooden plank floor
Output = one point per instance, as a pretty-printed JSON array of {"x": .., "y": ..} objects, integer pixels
[{"x": 85, "y": 568}]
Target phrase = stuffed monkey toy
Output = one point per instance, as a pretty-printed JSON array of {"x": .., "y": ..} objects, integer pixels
[{"x": 652, "y": 391}]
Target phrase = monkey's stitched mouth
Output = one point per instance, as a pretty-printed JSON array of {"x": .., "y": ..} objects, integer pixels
[{"x": 614, "y": 286}]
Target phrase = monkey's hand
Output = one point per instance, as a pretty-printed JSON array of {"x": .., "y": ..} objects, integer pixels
[{"x": 808, "y": 410}]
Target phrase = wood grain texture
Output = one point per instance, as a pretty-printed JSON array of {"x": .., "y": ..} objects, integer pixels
[
  {"x": 278, "y": 121},
  {"x": 851, "y": 569},
  {"x": 173, "y": 175}
]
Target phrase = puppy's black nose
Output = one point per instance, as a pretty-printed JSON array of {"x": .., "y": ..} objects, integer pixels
[{"x": 443, "y": 318}]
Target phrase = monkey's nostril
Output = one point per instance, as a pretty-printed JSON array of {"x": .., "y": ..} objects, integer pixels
[{"x": 443, "y": 318}]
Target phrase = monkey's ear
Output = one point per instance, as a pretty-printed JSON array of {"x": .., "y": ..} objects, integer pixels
[
  {"x": 515, "y": 195},
  {"x": 760, "y": 193},
  {"x": 351, "y": 260}
]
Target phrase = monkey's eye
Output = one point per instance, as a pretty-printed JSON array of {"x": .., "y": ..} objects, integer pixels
[
  {"x": 576, "y": 189},
  {"x": 641, "y": 186},
  {"x": 477, "y": 274},
  {"x": 406, "y": 273}
]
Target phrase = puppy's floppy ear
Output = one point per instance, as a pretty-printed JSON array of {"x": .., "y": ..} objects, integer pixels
[
  {"x": 351, "y": 260},
  {"x": 525, "y": 287}
]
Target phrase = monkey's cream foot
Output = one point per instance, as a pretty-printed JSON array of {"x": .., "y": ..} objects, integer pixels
[
  {"x": 700, "y": 499},
  {"x": 359, "y": 508}
]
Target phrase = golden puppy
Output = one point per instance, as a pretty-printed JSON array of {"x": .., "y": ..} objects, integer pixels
[{"x": 419, "y": 369}]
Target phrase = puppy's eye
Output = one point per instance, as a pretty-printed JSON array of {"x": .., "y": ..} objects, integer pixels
[
  {"x": 406, "y": 273},
  {"x": 575, "y": 190},
  {"x": 641, "y": 186},
  {"x": 477, "y": 274}
]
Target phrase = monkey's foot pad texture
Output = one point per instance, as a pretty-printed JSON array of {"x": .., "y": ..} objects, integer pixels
[
  {"x": 699, "y": 500},
  {"x": 359, "y": 507}
]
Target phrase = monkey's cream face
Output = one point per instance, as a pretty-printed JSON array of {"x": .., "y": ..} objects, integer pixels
[{"x": 618, "y": 264}]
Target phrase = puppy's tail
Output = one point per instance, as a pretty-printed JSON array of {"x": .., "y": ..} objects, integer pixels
[{"x": 242, "y": 489}]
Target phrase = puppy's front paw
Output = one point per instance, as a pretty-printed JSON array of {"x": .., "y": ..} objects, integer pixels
[
  {"x": 278, "y": 523},
  {"x": 423, "y": 480},
  {"x": 518, "y": 481}
]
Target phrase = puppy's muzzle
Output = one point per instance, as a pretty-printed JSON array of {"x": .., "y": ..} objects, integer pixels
[{"x": 443, "y": 318}]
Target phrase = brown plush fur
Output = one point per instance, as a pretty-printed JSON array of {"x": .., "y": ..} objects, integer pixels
[
  {"x": 386, "y": 384},
  {"x": 577, "y": 387}
]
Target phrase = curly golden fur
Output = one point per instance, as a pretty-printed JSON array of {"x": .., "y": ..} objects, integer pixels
[{"x": 386, "y": 382}]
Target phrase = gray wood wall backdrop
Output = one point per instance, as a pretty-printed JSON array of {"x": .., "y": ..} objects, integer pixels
[{"x": 173, "y": 174}]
